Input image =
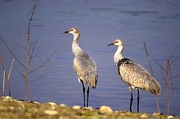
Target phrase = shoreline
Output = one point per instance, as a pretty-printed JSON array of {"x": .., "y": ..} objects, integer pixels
[{"x": 16, "y": 109}]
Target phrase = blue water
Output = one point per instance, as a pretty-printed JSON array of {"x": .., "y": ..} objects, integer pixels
[{"x": 100, "y": 23}]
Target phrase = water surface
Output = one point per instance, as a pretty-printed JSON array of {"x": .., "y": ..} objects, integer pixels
[{"x": 100, "y": 23}]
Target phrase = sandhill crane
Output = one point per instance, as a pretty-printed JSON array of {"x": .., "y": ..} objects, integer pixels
[
  {"x": 84, "y": 65},
  {"x": 133, "y": 74}
]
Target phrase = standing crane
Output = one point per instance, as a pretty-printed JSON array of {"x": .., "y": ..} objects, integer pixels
[
  {"x": 84, "y": 66},
  {"x": 134, "y": 75}
]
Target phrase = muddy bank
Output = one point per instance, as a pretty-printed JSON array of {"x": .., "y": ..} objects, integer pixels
[{"x": 11, "y": 108}]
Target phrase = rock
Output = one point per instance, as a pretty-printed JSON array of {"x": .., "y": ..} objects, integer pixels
[
  {"x": 52, "y": 103},
  {"x": 10, "y": 107},
  {"x": 63, "y": 105},
  {"x": 8, "y": 98},
  {"x": 170, "y": 117},
  {"x": 144, "y": 116},
  {"x": 76, "y": 107},
  {"x": 88, "y": 108},
  {"x": 105, "y": 109},
  {"x": 51, "y": 112},
  {"x": 35, "y": 102},
  {"x": 156, "y": 114}
]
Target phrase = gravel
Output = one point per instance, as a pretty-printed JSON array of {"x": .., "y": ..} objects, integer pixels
[{"x": 11, "y": 108}]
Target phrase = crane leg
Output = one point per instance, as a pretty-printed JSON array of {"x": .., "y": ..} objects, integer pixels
[
  {"x": 87, "y": 96},
  {"x": 83, "y": 92},
  {"x": 131, "y": 100},
  {"x": 138, "y": 97}
]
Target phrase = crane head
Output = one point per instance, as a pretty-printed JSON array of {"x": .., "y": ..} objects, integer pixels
[
  {"x": 72, "y": 31},
  {"x": 117, "y": 42}
]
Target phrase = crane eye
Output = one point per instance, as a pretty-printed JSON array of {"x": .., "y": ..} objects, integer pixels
[{"x": 116, "y": 41}]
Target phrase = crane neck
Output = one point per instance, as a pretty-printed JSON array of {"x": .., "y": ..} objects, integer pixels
[
  {"x": 118, "y": 55},
  {"x": 75, "y": 46}
]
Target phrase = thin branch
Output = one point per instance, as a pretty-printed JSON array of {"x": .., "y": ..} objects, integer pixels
[
  {"x": 10, "y": 69},
  {"x": 3, "y": 83},
  {"x": 175, "y": 60},
  {"x": 158, "y": 63},
  {"x": 173, "y": 51},
  {"x": 22, "y": 74},
  {"x": 29, "y": 24},
  {"x": 24, "y": 25},
  {"x": 9, "y": 76},
  {"x": 170, "y": 73},
  {"x": 33, "y": 44},
  {"x": 19, "y": 33},
  {"x": 38, "y": 78},
  {"x": 12, "y": 53},
  {"x": 47, "y": 59},
  {"x": 17, "y": 44},
  {"x": 147, "y": 54}
]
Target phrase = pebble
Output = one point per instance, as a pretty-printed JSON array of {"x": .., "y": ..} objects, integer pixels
[
  {"x": 8, "y": 98},
  {"x": 76, "y": 107},
  {"x": 35, "y": 102},
  {"x": 88, "y": 108},
  {"x": 63, "y": 105},
  {"x": 52, "y": 103},
  {"x": 17, "y": 109},
  {"x": 170, "y": 117},
  {"x": 156, "y": 114},
  {"x": 105, "y": 109},
  {"x": 144, "y": 116},
  {"x": 51, "y": 112}
]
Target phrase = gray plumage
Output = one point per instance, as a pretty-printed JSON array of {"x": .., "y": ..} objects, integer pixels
[
  {"x": 136, "y": 76},
  {"x": 133, "y": 74},
  {"x": 84, "y": 66}
]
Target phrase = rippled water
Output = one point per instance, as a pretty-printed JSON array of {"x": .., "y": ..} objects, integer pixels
[{"x": 100, "y": 23}]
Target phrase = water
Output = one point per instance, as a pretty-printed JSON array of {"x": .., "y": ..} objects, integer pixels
[{"x": 100, "y": 23}]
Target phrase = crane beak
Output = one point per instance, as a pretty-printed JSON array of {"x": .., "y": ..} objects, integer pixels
[
  {"x": 65, "y": 32},
  {"x": 111, "y": 44}
]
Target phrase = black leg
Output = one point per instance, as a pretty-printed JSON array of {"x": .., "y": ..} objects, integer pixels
[
  {"x": 138, "y": 97},
  {"x": 87, "y": 96},
  {"x": 131, "y": 100},
  {"x": 83, "y": 92}
]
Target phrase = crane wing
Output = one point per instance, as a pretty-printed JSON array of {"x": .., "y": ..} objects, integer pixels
[
  {"x": 137, "y": 76},
  {"x": 86, "y": 69}
]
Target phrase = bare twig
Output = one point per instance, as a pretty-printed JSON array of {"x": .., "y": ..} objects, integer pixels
[
  {"x": 10, "y": 69},
  {"x": 10, "y": 51},
  {"x": 38, "y": 78},
  {"x": 9, "y": 77},
  {"x": 29, "y": 69},
  {"x": 19, "y": 33},
  {"x": 167, "y": 73},
  {"x": 3, "y": 83},
  {"x": 33, "y": 44},
  {"x": 6, "y": 78},
  {"x": 17, "y": 44},
  {"x": 147, "y": 54},
  {"x": 29, "y": 24}
]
